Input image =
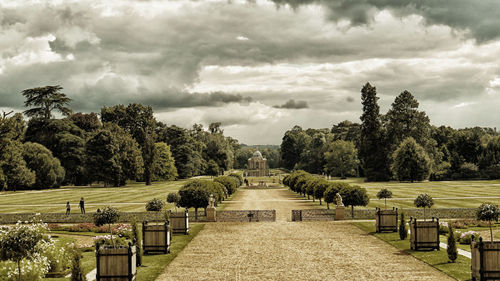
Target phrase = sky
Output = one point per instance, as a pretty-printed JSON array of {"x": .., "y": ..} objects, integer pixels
[{"x": 259, "y": 67}]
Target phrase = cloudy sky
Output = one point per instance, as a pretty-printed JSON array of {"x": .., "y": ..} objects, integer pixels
[{"x": 259, "y": 67}]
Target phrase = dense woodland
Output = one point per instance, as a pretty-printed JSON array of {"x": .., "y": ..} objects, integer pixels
[
  {"x": 400, "y": 145},
  {"x": 119, "y": 144}
]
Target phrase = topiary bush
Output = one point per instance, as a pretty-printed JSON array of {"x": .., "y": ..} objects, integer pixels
[
  {"x": 107, "y": 216},
  {"x": 452, "y": 246},
  {"x": 384, "y": 194},
  {"x": 488, "y": 212},
  {"x": 423, "y": 201},
  {"x": 154, "y": 205},
  {"x": 403, "y": 233},
  {"x": 174, "y": 198},
  {"x": 77, "y": 273}
]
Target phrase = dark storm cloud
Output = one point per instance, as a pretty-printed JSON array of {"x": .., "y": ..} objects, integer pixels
[
  {"x": 480, "y": 18},
  {"x": 292, "y": 104}
]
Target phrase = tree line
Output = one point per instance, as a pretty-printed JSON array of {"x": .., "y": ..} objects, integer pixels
[
  {"x": 400, "y": 145},
  {"x": 119, "y": 144}
]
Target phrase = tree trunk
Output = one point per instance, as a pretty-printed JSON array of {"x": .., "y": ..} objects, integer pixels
[
  {"x": 328, "y": 205},
  {"x": 19, "y": 270},
  {"x": 195, "y": 214},
  {"x": 491, "y": 232},
  {"x": 352, "y": 211},
  {"x": 385, "y": 202}
]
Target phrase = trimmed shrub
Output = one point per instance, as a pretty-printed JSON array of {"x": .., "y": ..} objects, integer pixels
[
  {"x": 231, "y": 183},
  {"x": 403, "y": 233},
  {"x": 237, "y": 177},
  {"x": 452, "y": 246},
  {"x": 77, "y": 273},
  {"x": 154, "y": 205}
]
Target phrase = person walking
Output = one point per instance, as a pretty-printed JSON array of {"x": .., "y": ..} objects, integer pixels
[
  {"x": 82, "y": 205},
  {"x": 68, "y": 208}
]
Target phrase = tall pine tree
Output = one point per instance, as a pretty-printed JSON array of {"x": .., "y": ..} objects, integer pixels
[{"x": 372, "y": 148}]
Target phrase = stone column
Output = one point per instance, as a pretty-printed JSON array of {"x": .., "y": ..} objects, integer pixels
[
  {"x": 211, "y": 214},
  {"x": 339, "y": 213}
]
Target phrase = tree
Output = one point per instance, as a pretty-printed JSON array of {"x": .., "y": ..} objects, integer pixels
[
  {"x": 16, "y": 174},
  {"x": 12, "y": 128},
  {"x": 231, "y": 183},
  {"x": 320, "y": 188},
  {"x": 173, "y": 198},
  {"x": 384, "y": 194},
  {"x": 310, "y": 186},
  {"x": 194, "y": 194},
  {"x": 329, "y": 195},
  {"x": 44, "y": 100},
  {"x": 354, "y": 196},
  {"x": 48, "y": 169},
  {"x": 139, "y": 122},
  {"x": 403, "y": 233},
  {"x": 20, "y": 242},
  {"x": 423, "y": 201},
  {"x": 67, "y": 143},
  {"x": 88, "y": 122},
  {"x": 294, "y": 142},
  {"x": 341, "y": 158},
  {"x": 411, "y": 162},
  {"x": 212, "y": 168},
  {"x": 103, "y": 162},
  {"x": 108, "y": 215},
  {"x": 138, "y": 239},
  {"x": 164, "y": 163},
  {"x": 372, "y": 151},
  {"x": 404, "y": 120},
  {"x": 451, "y": 249},
  {"x": 154, "y": 205},
  {"x": 488, "y": 212}
]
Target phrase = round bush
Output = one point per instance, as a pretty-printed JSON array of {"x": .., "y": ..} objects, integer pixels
[{"x": 154, "y": 205}]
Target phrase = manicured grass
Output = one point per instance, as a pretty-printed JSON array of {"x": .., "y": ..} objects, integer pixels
[
  {"x": 131, "y": 197},
  {"x": 446, "y": 194},
  {"x": 438, "y": 259}
]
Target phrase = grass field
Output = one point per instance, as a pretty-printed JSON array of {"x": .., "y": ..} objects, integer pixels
[
  {"x": 459, "y": 270},
  {"x": 131, "y": 197},
  {"x": 446, "y": 194}
]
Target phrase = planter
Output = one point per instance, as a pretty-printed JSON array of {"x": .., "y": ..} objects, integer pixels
[
  {"x": 424, "y": 235},
  {"x": 386, "y": 220},
  {"x": 156, "y": 237},
  {"x": 485, "y": 263},
  {"x": 179, "y": 222},
  {"x": 116, "y": 264}
]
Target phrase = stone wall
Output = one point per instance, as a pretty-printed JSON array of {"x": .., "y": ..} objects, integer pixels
[
  {"x": 246, "y": 216},
  {"x": 80, "y": 218},
  {"x": 323, "y": 214}
]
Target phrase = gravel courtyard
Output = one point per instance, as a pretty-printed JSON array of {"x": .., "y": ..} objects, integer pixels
[{"x": 287, "y": 250}]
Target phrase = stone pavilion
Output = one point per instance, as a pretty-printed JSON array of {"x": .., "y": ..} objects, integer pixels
[{"x": 257, "y": 165}]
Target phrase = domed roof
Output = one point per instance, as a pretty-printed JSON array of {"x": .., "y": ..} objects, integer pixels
[{"x": 257, "y": 154}]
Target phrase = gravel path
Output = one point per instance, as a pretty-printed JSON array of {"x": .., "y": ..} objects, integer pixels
[{"x": 291, "y": 250}]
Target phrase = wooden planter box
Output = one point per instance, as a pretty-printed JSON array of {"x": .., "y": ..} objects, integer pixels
[
  {"x": 156, "y": 237},
  {"x": 116, "y": 264},
  {"x": 485, "y": 263},
  {"x": 386, "y": 220},
  {"x": 424, "y": 235},
  {"x": 179, "y": 222}
]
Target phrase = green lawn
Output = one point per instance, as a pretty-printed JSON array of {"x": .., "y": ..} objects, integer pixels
[
  {"x": 438, "y": 259},
  {"x": 132, "y": 197},
  {"x": 153, "y": 265},
  {"x": 446, "y": 194}
]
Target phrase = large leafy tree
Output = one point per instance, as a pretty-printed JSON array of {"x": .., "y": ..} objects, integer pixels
[
  {"x": 43, "y": 100},
  {"x": 88, "y": 122},
  {"x": 295, "y": 141},
  {"x": 411, "y": 162},
  {"x": 48, "y": 169},
  {"x": 103, "y": 163},
  {"x": 67, "y": 143},
  {"x": 186, "y": 150},
  {"x": 138, "y": 121},
  {"x": 164, "y": 164},
  {"x": 16, "y": 174},
  {"x": 341, "y": 158},
  {"x": 372, "y": 152}
]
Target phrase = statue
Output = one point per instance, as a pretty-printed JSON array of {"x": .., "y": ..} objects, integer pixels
[
  {"x": 211, "y": 201},
  {"x": 339, "y": 200}
]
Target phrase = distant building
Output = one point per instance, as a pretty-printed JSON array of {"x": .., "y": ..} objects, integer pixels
[{"x": 257, "y": 165}]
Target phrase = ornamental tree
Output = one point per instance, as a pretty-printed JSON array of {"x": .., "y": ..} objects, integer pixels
[
  {"x": 19, "y": 242},
  {"x": 488, "y": 212},
  {"x": 354, "y": 196},
  {"x": 423, "y": 201},
  {"x": 384, "y": 194},
  {"x": 411, "y": 162},
  {"x": 452, "y": 246},
  {"x": 108, "y": 215},
  {"x": 174, "y": 198}
]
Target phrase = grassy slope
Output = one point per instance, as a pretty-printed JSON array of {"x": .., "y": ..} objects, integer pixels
[
  {"x": 132, "y": 197},
  {"x": 438, "y": 259}
]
